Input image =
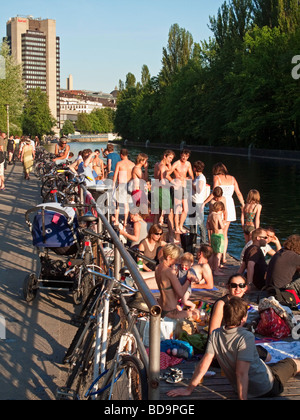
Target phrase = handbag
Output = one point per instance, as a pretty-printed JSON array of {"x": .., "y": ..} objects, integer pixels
[
  {"x": 272, "y": 325},
  {"x": 1, "y": 156}
]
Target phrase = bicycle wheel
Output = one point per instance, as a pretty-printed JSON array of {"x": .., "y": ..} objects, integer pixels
[
  {"x": 83, "y": 318},
  {"x": 79, "y": 365},
  {"x": 130, "y": 381},
  {"x": 85, "y": 379}
]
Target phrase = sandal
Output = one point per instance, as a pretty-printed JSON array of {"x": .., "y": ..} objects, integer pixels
[
  {"x": 174, "y": 378},
  {"x": 174, "y": 373}
]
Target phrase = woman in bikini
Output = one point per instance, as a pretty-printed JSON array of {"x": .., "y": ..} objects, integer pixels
[{"x": 169, "y": 286}]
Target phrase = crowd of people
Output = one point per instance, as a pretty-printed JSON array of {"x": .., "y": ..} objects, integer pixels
[
  {"x": 16, "y": 148},
  {"x": 177, "y": 195}
]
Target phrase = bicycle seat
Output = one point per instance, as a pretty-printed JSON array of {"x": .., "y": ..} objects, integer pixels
[
  {"x": 88, "y": 218},
  {"x": 137, "y": 302}
]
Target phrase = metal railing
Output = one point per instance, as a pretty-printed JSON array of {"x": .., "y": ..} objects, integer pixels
[{"x": 120, "y": 252}]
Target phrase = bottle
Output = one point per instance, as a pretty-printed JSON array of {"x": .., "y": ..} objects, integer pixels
[{"x": 140, "y": 264}]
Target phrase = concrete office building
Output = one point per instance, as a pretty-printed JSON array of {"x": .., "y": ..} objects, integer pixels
[
  {"x": 70, "y": 82},
  {"x": 34, "y": 44}
]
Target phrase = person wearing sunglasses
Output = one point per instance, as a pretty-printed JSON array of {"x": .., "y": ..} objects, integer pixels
[
  {"x": 235, "y": 350},
  {"x": 237, "y": 287},
  {"x": 151, "y": 246},
  {"x": 62, "y": 150},
  {"x": 254, "y": 260}
]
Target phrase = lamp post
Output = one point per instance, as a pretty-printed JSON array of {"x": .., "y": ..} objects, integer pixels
[{"x": 7, "y": 119}]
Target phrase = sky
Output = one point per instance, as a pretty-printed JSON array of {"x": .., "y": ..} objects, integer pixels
[{"x": 103, "y": 40}]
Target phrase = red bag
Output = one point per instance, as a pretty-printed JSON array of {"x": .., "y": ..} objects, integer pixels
[{"x": 271, "y": 325}]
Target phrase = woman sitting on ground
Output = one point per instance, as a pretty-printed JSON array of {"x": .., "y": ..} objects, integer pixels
[
  {"x": 139, "y": 231},
  {"x": 169, "y": 286},
  {"x": 151, "y": 246},
  {"x": 237, "y": 285}
]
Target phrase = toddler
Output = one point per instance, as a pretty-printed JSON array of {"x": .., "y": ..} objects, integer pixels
[{"x": 184, "y": 271}]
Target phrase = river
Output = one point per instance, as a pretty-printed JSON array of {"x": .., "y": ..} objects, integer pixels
[{"x": 278, "y": 182}]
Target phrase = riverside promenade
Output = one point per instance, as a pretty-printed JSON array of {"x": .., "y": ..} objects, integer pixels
[{"x": 37, "y": 334}]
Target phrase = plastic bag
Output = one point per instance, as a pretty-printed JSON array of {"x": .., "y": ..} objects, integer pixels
[{"x": 271, "y": 325}]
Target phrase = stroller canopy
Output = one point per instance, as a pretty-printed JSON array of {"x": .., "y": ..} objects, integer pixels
[{"x": 53, "y": 226}]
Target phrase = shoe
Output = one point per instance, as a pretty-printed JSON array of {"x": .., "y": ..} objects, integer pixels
[
  {"x": 172, "y": 375},
  {"x": 174, "y": 379}
]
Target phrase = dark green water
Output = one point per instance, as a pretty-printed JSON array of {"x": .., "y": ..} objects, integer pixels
[{"x": 277, "y": 181}]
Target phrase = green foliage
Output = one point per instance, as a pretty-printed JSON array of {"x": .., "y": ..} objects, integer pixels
[
  {"x": 68, "y": 128},
  {"x": 37, "y": 119},
  {"x": 98, "y": 121},
  {"x": 235, "y": 89},
  {"x": 11, "y": 92}
]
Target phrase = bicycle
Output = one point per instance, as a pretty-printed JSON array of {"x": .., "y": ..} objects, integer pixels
[
  {"x": 86, "y": 259},
  {"x": 106, "y": 359}
]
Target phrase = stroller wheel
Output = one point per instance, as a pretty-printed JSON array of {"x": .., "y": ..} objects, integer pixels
[{"x": 30, "y": 287}]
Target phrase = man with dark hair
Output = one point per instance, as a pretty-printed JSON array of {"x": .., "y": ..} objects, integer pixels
[
  {"x": 284, "y": 267},
  {"x": 234, "y": 347},
  {"x": 254, "y": 261}
]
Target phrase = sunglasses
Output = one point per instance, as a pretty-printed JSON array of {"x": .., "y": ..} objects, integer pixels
[
  {"x": 263, "y": 237},
  {"x": 236, "y": 285},
  {"x": 160, "y": 234}
]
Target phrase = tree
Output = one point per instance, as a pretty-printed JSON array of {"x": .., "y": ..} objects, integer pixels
[
  {"x": 177, "y": 53},
  {"x": 68, "y": 128},
  {"x": 145, "y": 77},
  {"x": 12, "y": 91},
  {"x": 130, "y": 81},
  {"x": 37, "y": 119},
  {"x": 84, "y": 124}
]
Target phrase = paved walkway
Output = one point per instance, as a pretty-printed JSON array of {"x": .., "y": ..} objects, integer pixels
[{"x": 37, "y": 334}]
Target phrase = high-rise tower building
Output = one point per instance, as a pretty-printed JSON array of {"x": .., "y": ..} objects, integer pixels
[{"x": 34, "y": 44}]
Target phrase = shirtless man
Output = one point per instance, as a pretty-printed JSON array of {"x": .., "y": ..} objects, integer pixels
[
  {"x": 204, "y": 277},
  {"x": 122, "y": 176},
  {"x": 163, "y": 200},
  {"x": 169, "y": 286},
  {"x": 183, "y": 171}
]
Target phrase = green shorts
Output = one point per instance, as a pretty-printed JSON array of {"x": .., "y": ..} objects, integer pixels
[
  {"x": 217, "y": 242},
  {"x": 163, "y": 199}
]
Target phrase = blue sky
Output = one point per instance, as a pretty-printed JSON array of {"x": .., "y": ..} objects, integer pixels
[{"x": 103, "y": 40}]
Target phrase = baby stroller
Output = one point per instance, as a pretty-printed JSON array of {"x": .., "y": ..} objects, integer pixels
[{"x": 54, "y": 230}]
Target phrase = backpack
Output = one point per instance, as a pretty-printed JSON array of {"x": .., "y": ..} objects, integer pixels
[{"x": 285, "y": 297}]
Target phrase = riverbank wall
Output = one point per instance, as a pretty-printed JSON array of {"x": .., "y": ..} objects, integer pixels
[
  {"x": 250, "y": 152},
  {"x": 98, "y": 138}
]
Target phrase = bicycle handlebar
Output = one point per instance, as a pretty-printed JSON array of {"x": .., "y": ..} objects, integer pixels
[{"x": 112, "y": 279}]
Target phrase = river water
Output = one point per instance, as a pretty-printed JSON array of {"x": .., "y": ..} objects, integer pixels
[{"x": 278, "y": 182}]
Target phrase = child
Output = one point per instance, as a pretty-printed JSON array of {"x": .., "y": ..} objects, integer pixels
[
  {"x": 198, "y": 198},
  {"x": 184, "y": 272},
  {"x": 250, "y": 216},
  {"x": 217, "y": 196},
  {"x": 139, "y": 179},
  {"x": 216, "y": 225},
  {"x": 203, "y": 274}
]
